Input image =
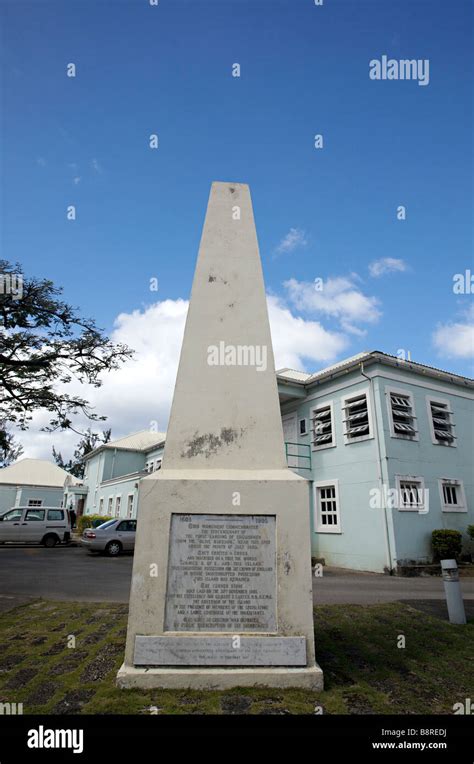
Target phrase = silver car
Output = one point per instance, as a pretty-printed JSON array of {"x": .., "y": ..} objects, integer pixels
[{"x": 112, "y": 537}]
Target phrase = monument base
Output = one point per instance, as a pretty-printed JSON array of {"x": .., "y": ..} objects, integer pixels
[
  {"x": 209, "y": 573},
  {"x": 308, "y": 678}
]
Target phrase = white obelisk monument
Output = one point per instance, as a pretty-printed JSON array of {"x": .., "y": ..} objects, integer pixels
[{"x": 221, "y": 589}]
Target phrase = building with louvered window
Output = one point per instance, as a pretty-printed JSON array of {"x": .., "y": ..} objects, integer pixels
[{"x": 387, "y": 446}]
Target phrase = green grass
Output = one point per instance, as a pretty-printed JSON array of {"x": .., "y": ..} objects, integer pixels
[{"x": 356, "y": 646}]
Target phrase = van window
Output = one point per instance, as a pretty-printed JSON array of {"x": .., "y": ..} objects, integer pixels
[
  {"x": 15, "y": 514},
  {"x": 34, "y": 514},
  {"x": 55, "y": 514}
]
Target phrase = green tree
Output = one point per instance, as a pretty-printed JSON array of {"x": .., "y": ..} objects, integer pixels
[
  {"x": 89, "y": 441},
  {"x": 44, "y": 346},
  {"x": 10, "y": 449}
]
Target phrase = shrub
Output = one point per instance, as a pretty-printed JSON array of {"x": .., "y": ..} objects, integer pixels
[
  {"x": 470, "y": 531},
  {"x": 90, "y": 521},
  {"x": 447, "y": 544}
]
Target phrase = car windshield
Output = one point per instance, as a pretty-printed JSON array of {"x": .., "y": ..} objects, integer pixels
[{"x": 106, "y": 525}]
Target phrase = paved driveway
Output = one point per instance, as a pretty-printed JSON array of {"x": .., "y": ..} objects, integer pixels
[
  {"x": 339, "y": 587},
  {"x": 71, "y": 573},
  {"x": 64, "y": 573}
]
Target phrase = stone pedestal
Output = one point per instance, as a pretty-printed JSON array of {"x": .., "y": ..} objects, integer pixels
[{"x": 221, "y": 589}]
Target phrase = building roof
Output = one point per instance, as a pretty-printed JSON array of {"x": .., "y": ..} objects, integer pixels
[
  {"x": 292, "y": 375},
  {"x": 37, "y": 472},
  {"x": 137, "y": 441},
  {"x": 371, "y": 356}
]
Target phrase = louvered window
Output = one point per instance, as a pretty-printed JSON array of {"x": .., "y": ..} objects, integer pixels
[
  {"x": 411, "y": 496},
  {"x": 403, "y": 415},
  {"x": 323, "y": 427},
  {"x": 443, "y": 427},
  {"x": 356, "y": 417}
]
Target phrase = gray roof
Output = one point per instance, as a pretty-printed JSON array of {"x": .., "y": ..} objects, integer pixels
[
  {"x": 144, "y": 441},
  {"x": 37, "y": 472},
  {"x": 371, "y": 356}
]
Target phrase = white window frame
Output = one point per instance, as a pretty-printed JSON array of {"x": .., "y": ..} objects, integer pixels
[
  {"x": 399, "y": 479},
  {"x": 445, "y": 402},
  {"x": 460, "y": 492},
  {"x": 344, "y": 400},
  {"x": 406, "y": 394},
  {"x": 318, "y": 526},
  {"x": 158, "y": 463},
  {"x": 37, "y": 503},
  {"x": 110, "y": 506},
  {"x": 130, "y": 505},
  {"x": 117, "y": 505},
  {"x": 314, "y": 410},
  {"x": 101, "y": 505}
]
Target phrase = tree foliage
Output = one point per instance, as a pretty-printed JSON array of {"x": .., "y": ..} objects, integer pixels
[
  {"x": 45, "y": 346},
  {"x": 10, "y": 449},
  {"x": 89, "y": 441}
]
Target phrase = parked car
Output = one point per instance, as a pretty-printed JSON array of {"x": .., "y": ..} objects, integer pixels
[
  {"x": 35, "y": 525},
  {"x": 112, "y": 537}
]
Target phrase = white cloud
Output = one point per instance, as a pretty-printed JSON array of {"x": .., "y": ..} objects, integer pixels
[
  {"x": 294, "y": 238},
  {"x": 41, "y": 162},
  {"x": 295, "y": 338},
  {"x": 77, "y": 180},
  {"x": 134, "y": 395},
  {"x": 456, "y": 339},
  {"x": 339, "y": 298},
  {"x": 141, "y": 390},
  {"x": 386, "y": 265}
]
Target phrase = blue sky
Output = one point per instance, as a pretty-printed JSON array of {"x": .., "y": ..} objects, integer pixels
[{"x": 321, "y": 213}]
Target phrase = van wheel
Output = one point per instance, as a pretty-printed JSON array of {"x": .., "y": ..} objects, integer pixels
[
  {"x": 50, "y": 541},
  {"x": 113, "y": 548}
]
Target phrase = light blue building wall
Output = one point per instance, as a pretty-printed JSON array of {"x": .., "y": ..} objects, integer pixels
[
  {"x": 19, "y": 496},
  {"x": 353, "y": 470},
  {"x": 430, "y": 461},
  {"x": 112, "y": 475},
  {"x": 371, "y": 476},
  {"x": 7, "y": 497}
]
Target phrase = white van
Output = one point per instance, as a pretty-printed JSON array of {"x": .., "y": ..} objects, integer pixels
[{"x": 40, "y": 525}]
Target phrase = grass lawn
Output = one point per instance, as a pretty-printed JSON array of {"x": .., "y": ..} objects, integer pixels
[{"x": 356, "y": 646}]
